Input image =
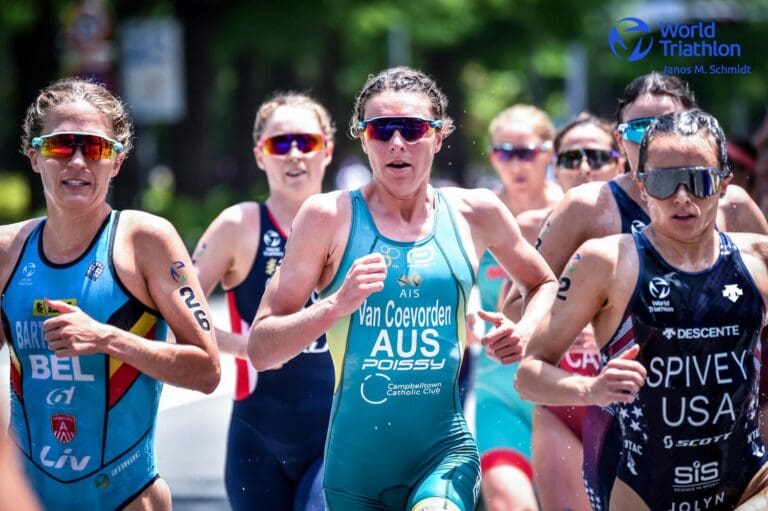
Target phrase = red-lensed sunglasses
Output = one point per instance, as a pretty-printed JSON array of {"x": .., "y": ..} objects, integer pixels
[
  {"x": 64, "y": 145},
  {"x": 280, "y": 145}
]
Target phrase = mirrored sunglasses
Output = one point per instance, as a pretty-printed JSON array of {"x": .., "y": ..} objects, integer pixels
[
  {"x": 64, "y": 145},
  {"x": 527, "y": 153},
  {"x": 280, "y": 145},
  {"x": 410, "y": 128},
  {"x": 702, "y": 182},
  {"x": 633, "y": 130},
  {"x": 596, "y": 158}
]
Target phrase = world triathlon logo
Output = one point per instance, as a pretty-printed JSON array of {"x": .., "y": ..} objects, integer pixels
[{"x": 629, "y": 26}]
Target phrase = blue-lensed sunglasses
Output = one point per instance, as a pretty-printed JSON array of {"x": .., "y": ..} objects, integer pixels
[
  {"x": 634, "y": 129},
  {"x": 410, "y": 128}
]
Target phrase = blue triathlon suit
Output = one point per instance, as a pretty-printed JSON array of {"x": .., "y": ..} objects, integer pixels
[
  {"x": 397, "y": 434},
  {"x": 691, "y": 440},
  {"x": 85, "y": 424},
  {"x": 600, "y": 429},
  {"x": 280, "y": 417}
]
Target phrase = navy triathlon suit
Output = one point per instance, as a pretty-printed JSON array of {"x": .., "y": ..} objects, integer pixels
[
  {"x": 279, "y": 417},
  {"x": 633, "y": 217},
  {"x": 599, "y": 427},
  {"x": 85, "y": 424},
  {"x": 691, "y": 439}
]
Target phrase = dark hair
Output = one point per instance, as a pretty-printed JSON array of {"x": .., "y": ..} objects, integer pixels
[
  {"x": 401, "y": 79},
  {"x": 582, "y": 119},
  {"x": 687, "y": 123},
  {"x": 657, "y": 84},
  {"x": 292, "y": 99},
  {"x": 77, "y": 89}
]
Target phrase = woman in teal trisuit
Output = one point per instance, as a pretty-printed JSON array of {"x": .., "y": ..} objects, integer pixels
[{"x": 394, "y": 261}]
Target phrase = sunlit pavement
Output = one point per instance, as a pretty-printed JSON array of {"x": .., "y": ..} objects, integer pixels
[{"x": 191, "y": 433}]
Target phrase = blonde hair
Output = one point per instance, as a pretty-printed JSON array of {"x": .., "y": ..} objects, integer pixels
[
  {"x": 292, "y": 99},
  {"x": 525, "y": 114}
]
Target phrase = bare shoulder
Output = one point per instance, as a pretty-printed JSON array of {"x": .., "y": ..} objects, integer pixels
[
  {"x": 735, "y": 195},
  {"x": 235, "y": 222},
  {"x": 319, "y": 209},
  {"x": 740, "y": 212},
  {"x": 240, "y": 214},
  {"x": 588, "y": 197},
  {"x": 474, "y": 204},
  {"x": 587, "y": 211},
  {"x": 471, "y": 197},
  {"x": 144, "y": 227},
  {"x": 12, "y": 235},
  {"x": 12, "y": 238},
  {"x": 608, "y": 249},
  {"x": 751, "y": 243}
]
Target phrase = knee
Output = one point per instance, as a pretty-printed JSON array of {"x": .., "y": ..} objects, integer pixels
[
  {"x": 435, "y": 504},
  {"x": 507, "y": 487}
]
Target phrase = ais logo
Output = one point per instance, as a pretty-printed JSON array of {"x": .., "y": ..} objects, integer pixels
[{"x": 626, "y": 27}]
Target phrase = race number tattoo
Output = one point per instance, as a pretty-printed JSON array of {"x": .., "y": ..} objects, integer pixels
[
  {"x": 191, "y": 302},
  {"x": 565, "y": 285}
]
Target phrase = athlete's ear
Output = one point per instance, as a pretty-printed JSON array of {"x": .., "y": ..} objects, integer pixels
[
  {"x": 259, "y": 157},
  {"x": 363, "y": 144},
  {"x": 118, "y": 165},
  {"x": 641, "y": 187},
  {"x": 328, "y": 153},
  {"x": 724, "y": 184},
  {"x": 438, "y": 142},
  {"x": 32, "y": 155}
]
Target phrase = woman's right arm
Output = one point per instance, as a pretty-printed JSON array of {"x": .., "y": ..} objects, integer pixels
[
  {"x": 221, "y": 256},
  {"x": 283, "y": 327},
  {"x": 12, "y": 239},
  {"x": 587, "y": 287}
]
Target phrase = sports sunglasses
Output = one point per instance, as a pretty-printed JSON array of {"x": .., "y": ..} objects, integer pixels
[
  {"x": 702, "y": 182},
  {"x": 64, "y": 145},
  {"x": 280, "y": 145},
  {"x": 410, "y": 128},
  {"x": 527, "y": 153},
  {"x": 596, "y": 158},
  {"x": 633, "y": 130}
]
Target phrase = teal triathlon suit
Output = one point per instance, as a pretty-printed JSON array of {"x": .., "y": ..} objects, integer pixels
[
  {"x": 280, "y": 417},
  {"x": 502, "y": 419},
  {"x": 691, "y": 439},
  {"x": 397, "y": 434},
  {"x": 85, "y": 424}
]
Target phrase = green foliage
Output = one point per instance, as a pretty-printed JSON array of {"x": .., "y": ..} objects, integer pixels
[
  {"x": 15, "y": 199},
  {"x": 192, "y": 216}
]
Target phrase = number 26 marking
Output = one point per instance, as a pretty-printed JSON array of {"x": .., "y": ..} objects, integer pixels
[{"x": 190, "y": 300}]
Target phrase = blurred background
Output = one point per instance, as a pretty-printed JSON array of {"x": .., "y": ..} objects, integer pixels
[{"x": 193, "y": 72}]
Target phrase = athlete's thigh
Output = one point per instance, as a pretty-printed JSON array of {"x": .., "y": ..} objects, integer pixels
[
  {"x": 156, "y": 497},
  {"x": 454, "y": 480},
  {"x": 309, "y": 493},
  {"x": 557, "y": 463},
  {"x": 254, "y": 478},
  {"x": 755, "y": 496}
]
